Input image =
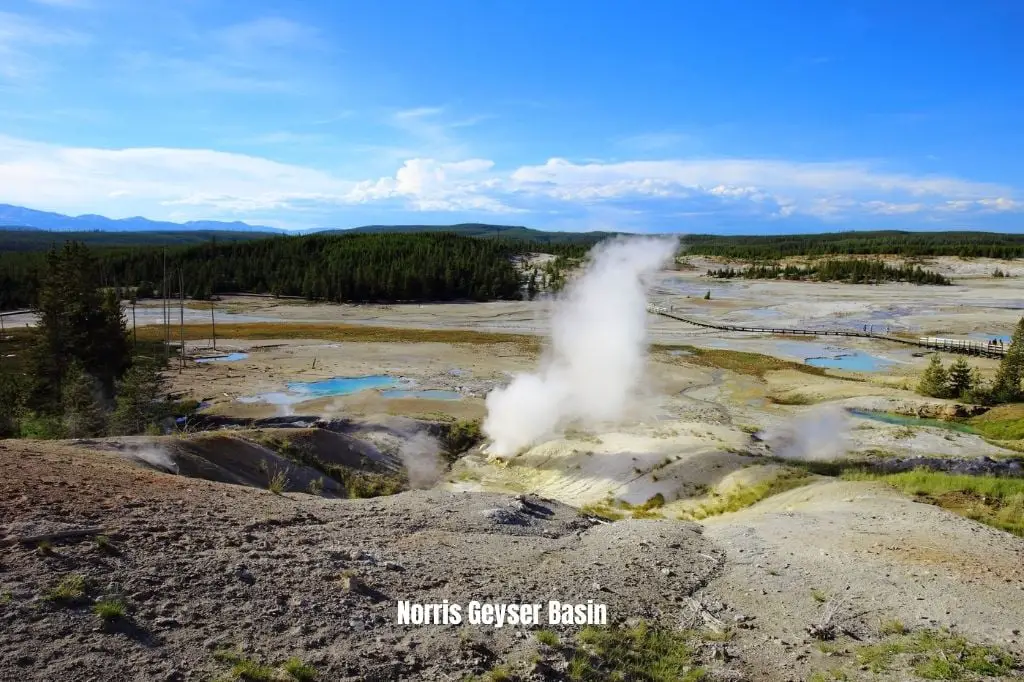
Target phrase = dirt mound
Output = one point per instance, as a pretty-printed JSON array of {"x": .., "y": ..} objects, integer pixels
[
  {"x": 292, "y": 459},
  {"x": 202, "y": 568}
]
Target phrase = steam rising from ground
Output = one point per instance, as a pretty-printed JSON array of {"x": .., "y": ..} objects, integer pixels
[
  {"x": 818, "y": 434},
  {"x": 592, "y": 370},
  {"x": 421, "y": 455},
  {"x": 153, "y": 457}
]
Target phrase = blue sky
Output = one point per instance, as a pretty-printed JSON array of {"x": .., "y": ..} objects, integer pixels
[{"x": 728, "y": 116}]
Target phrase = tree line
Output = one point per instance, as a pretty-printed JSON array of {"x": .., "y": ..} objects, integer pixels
[
  {"x": 888, "y": 242},
  {"x": 81, "y": 376},
  {"x": 854, "y": 271},
  {"x": 338, "y": 268},
  {"x": 960, "y": 382}
]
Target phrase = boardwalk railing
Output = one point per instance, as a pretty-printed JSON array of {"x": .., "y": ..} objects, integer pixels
[{"x": 950, "y": 345}]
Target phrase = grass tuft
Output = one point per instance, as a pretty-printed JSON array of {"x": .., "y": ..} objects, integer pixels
[
  {"x": 548, "y": 637},
  {"x": 639, "y": 653},
  {"x": 299, "y": 670},
  {"x": 994, "y": 500},
  {"x": 892, "y": 627},
  {"x": 251, "y": 671},
  {"x": 936, "y": 655},
  {"x": 104, "y": 544},
  {"x": 278, "y": 482},
  {"x": 110, "y": 609},
  {"x": 70, "y": 589}
]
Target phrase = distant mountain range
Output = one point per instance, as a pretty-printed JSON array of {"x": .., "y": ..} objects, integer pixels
[
  {"x": 26, "y": 220},
  {"x": 18, "y": 217},
  {"x": 490, "y": 231}
]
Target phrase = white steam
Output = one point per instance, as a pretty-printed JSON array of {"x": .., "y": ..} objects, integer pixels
[
  {"x": 421, "y": 456},
  {"x": 153, "y": 457},
  {"x": 819, "y": 434},
  {"x": 592, "y": 370}
]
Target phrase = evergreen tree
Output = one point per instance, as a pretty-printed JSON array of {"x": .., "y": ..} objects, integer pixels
[
  {"x": 961, "y": 379},
  {"x": 935, "y": 380},
  {"x": 81, "y": 408},
  {"x": 1007, "y": 384},
  {"x": 138, "y": 398},
  {"x": 78, "y": 324}
]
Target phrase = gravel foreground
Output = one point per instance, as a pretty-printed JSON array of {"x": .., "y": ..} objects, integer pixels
[
  {"x": 203, "y": 568},
  {"x": 211, "y": 575}
]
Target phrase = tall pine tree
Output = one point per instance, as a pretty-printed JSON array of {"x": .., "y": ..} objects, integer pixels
[
  {"x": 1007, "y": 384},
  {"x": 78, "y": 323},
  {"x": 935, "y": 380}
]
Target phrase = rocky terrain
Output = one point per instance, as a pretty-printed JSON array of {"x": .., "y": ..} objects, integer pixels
[
  {"x": 215, "y": 576},
  {"x": 212, "y": 573}
]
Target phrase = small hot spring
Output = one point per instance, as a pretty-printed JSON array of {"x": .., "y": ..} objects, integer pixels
[
  {"x": 854, "y": 361},
  {"x": 230, "y": 357},
  {"x": 389, "y": 387},
  {"x": 905, "y": 420}
]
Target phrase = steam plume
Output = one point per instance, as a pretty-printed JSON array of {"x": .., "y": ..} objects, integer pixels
[
  {"x": 421, "y": 455},
  {"x": 819, "y": 434},
  {"x": 593, "y": 368}
]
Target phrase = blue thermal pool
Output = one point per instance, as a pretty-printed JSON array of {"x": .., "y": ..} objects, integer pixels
[
  {"x": 389, "y": 387},
  {"x": 230, "y": 357},
  {"x": 429, "y": 394},
  {"x": 854, "y": 361},
  {"x": 300, "y": 391}
]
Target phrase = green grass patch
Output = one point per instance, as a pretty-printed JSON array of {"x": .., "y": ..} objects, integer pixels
[
  {"x": 1005, "y": 422},
  {"x": 743, "y": 496},
  {"x": 640, "y": 653},
  {"x": 936, "y": 655},
  {"x": 110, "y": 609},
  {"x": 69, "y": 590},
  {"x": 299, "y": 671},
  {"x": 548, "y": 637},
  {"x": 994, "y": 500}
]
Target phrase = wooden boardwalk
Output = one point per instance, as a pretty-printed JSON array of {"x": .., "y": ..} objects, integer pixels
[{"x": 965, "y": 346}]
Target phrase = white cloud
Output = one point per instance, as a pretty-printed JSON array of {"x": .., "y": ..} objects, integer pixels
[
  {"x": 1001, "y": 204},
  {"x": 888, "y": 208},
  {"x": 813, "y": 188},
  {"x": 760, "y": 173},
  {"x": 125, "y": 182},
  {"x": 429, "y": 185},
  {"x": 166, "y": 183}
]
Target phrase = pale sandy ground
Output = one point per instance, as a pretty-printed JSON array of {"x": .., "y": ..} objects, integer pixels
[{"x": 880, "y": 556}]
